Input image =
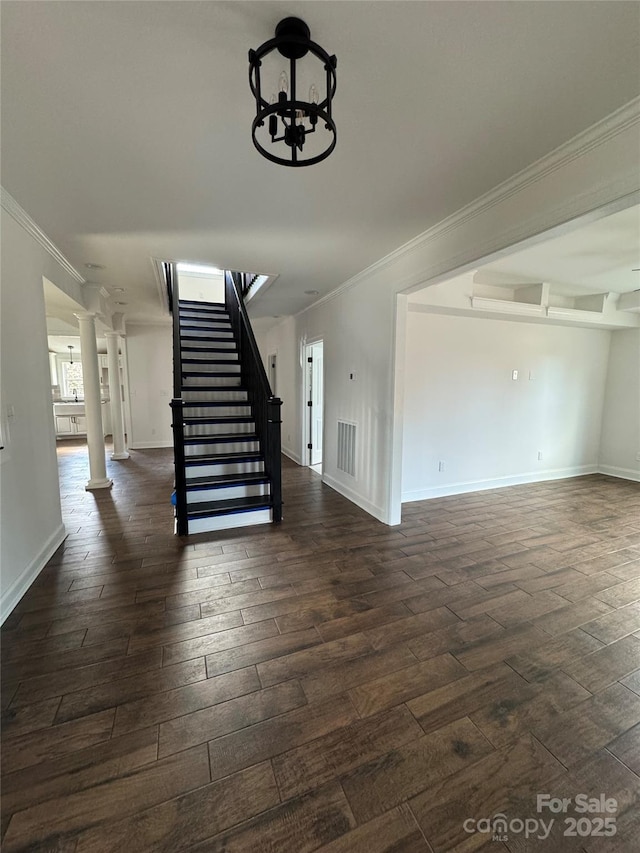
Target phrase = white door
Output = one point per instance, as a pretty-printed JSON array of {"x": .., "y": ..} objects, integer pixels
[{"x": 315, "y": 398}]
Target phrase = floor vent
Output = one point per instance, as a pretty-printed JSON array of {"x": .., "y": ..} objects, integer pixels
[{"x": 347, "y": 447}]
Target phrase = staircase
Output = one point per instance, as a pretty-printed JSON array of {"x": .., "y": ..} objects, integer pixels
[{"x": 226, "y": 422}]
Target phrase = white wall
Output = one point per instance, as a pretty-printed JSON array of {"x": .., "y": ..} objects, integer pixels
[
  {"x": 201, "y": 287},
  {"x": 464, "y": 409},
  {"x": 30, "y": 519},
  {"x": 620, "y": 444},
  {"x": 150, "y": 366},
  {"x": 358, "y": 320}
]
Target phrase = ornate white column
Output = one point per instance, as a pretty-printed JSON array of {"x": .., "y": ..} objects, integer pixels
[
  {"x": 117, "y": 418},
  {"x": 92, "y": 404}
]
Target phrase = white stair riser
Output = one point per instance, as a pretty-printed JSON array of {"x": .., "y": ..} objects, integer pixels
[
  {"x": 215, "y": 469},
  {"x": 230, "y": 411},
  {"x": 222, "y": 447},
  {"x": 228, "y": 366},
  {"x": 205, "y": 334},
  {"x": 189, "y": 326},
  {"x": 194, "y": 343},
  {"x": 225, "y": 493},
  {"x": 199, "y": 314},
  {"x": 193, "y": 430},
  {"x": 229, "y": 395},
  {"x": 229, "y": 355},
  {"x": 226, "y": 522},
  {"x": 192, "y": 381}
]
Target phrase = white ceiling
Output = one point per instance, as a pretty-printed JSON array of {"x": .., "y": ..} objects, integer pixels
[
  {"x": 126, "y": 127},
  {"x": 601, "y": 257}
]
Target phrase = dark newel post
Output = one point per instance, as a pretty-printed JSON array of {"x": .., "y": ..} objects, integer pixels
[
  {"x": 180, "y": 475},
  {"x": 274, "y": 419}
]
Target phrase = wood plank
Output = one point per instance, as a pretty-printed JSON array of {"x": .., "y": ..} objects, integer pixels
[
  {"x": 514, "y": 773},
  {"x": 540, "y": 662},
  {"x": 34, "y": 747},
  {"x": 441, "y": 706},
  {"x": 159, "y": 707},
  {"x": 526, "y": 707},
  {"x": 82, "y": 677},
  {"x": 181, "y": 822},
  {"x": 391, "y": 779},
  {"x": 398, "y": 687},
  {"x": 338, "y": 752},
  {"x": 455, "y": 638},
  {"x": 604, "y": 666},
  {"x": 627, "y": 748},
  {"x": 310, "y": 660},
  {"x": 615, "y": 624},
  {"x": 223, "y": 718},
  {"x": 577, "y": 733},
  {"x": 264, "y": 740},
  {"x": 298, "y": 826},
  {"x": 208, "y": 645},
  {"x": 361, "y": 621},
  {"x": 263, "y": 650},
  {"x": 114, "y": 799},
  {"x": 29, "y": 718},
  {"x": 498, "y": 648},
  {"x": 123, "y": 690},
  {"x": 335, "y": 679},
  {"x": 410, "y": 627},
  {"x": 396, "y": 830},
  {"x": 78, "y": 770},
  {"x": 142, "y": 639}
]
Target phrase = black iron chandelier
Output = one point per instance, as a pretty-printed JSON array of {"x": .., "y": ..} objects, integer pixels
[{"x": 285, "y": 121}]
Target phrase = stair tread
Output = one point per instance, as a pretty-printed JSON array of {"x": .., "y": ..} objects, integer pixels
[
  {"x": 239, "y": 456},
  {"x": 223, "y": 438},
  {"x": 227, "y": 480},
  {"x": 221, "y": 419},
  {"x": 234, "y": 388},
  {"x": 207, "y": 508},
  {"x": 212, "y": 305},
  {"x": 210, "y": 373},
  {"x": 196, "y": 403}
]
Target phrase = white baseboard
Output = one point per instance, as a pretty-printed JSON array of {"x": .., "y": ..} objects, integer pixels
[
  {"x": 622, "y": 473},
  {"x": 498, "y": 483},
  {"x": 12, "y": 595},
  {"x": 354, "y": 497},
  {"x": 150, "y": 445},
  {"x": 293, "y": 456}
]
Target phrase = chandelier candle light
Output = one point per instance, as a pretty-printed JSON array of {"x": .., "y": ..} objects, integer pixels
[{"x": 289, "y": 121}]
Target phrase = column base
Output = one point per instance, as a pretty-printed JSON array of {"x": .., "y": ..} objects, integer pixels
[
  {"x": 98, "y": 484},
  {"x": 118, "y": 456}
]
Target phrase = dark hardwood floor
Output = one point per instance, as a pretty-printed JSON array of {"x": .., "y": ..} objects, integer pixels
[{"x": 329, "y": 684}]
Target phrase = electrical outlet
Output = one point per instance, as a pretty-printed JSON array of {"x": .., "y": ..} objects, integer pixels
[
  {"x": 514, "y": 374},
  {"x": 539, "y": 456},
  {"x": 441, "y": 466}
]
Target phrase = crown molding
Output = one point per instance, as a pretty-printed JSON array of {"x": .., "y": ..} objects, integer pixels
[
  {"x": 23, "y": 219},
  {"x": 598, "y": 134}
]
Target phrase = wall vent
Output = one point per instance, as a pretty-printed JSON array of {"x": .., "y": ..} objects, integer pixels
[{"x": 347, "y": 447}]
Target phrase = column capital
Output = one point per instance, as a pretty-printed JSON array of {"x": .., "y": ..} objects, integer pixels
[
  {"x": 112, "y": 334},
  {"x": 85, "y": 315}
]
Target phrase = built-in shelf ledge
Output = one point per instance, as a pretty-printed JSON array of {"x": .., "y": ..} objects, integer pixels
[{"x": 504, "y": 306}]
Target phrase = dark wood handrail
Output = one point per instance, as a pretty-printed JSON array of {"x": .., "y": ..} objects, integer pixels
[{"x": 266, "y": 408}]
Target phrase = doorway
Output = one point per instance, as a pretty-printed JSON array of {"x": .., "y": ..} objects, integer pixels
[
  {"x": 272, "y": 373},
  {"x": 314, "y": 403}
]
